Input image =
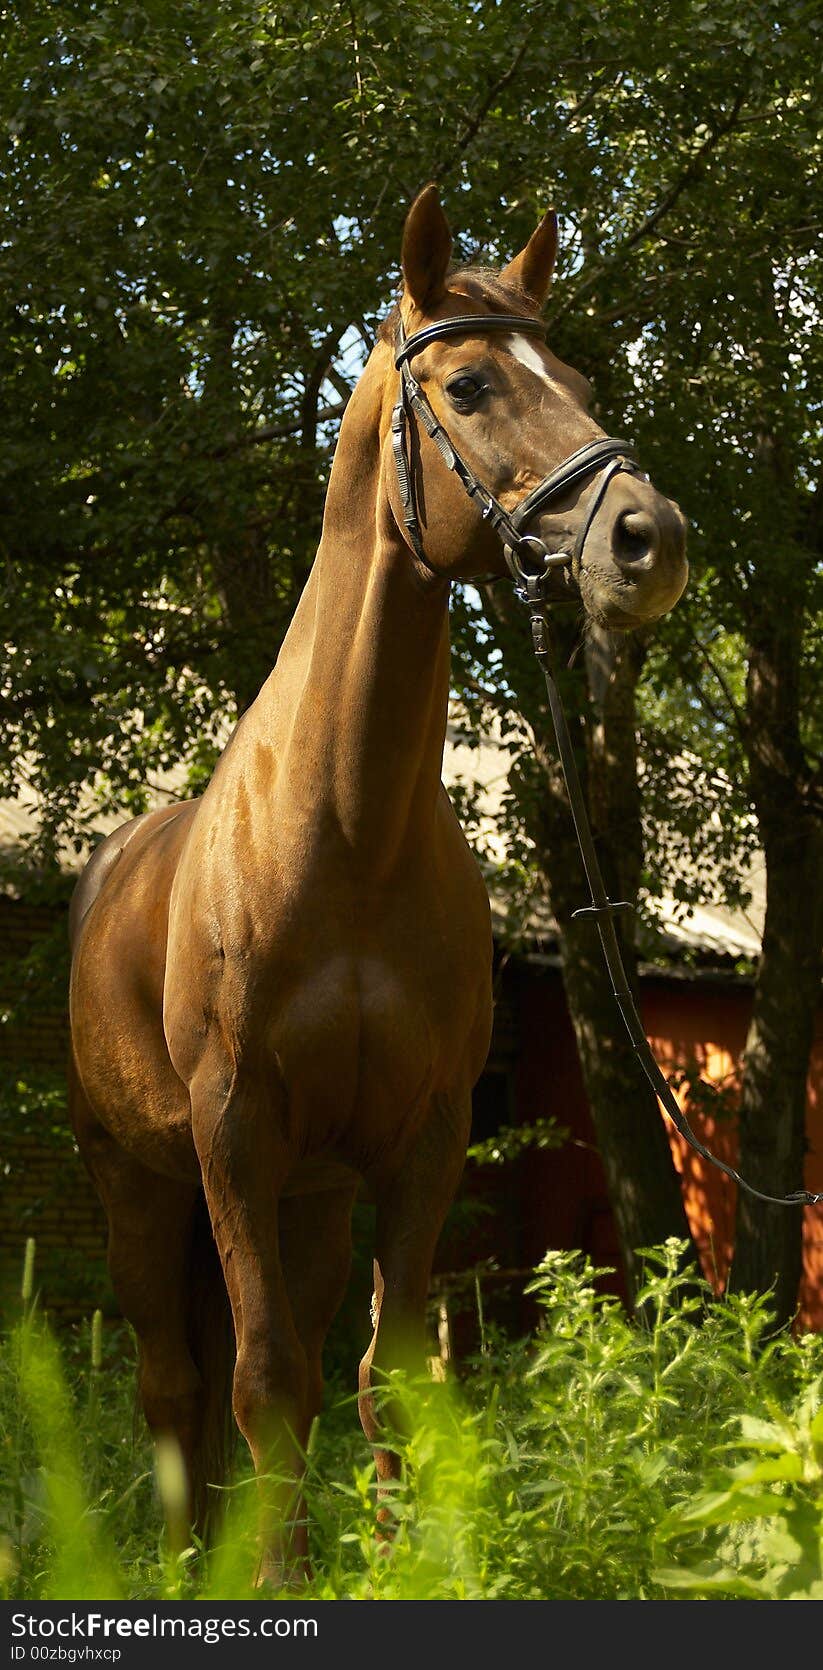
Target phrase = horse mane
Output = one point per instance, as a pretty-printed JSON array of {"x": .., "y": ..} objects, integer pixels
[{"x": 481, "y": 284}]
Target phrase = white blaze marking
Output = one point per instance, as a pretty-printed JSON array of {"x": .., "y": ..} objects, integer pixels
[{"x": 527, "y": 354}]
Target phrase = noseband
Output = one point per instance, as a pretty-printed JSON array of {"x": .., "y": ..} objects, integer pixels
[
  {"x": 606, "y": 458},
  {"x": 526, "y": 554}
]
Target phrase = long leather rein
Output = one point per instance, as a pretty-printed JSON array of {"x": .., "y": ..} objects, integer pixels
[{"x": 531, "y": 564}]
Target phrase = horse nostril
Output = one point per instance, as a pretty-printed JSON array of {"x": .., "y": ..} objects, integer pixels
[{"x": 635, "y": 539}]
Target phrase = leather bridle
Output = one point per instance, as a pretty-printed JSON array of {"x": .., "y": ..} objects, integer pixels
[
  {"x": 525, "y": 553},
  {"x": 605, "y": 458}
]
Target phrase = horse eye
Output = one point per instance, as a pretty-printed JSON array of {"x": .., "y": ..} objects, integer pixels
[{"x": 464, "y": 391}]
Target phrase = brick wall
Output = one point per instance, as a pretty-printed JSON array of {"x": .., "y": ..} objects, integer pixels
[{"x": 44, "y": 1188}]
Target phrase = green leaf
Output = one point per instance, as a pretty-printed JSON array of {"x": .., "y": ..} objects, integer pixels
[{"x": 708, "y": 1580}]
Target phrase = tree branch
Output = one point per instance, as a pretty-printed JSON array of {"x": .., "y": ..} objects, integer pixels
[
  {"x": 339, "y": 383},
  {"x": 664, "y": 207},
  {"x": 737, "y": 714},
  {"x": 472, "y": 128},
  {"x": 273, "y": 432}
]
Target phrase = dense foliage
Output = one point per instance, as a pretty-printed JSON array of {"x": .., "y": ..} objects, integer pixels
[
  {"x": 204, "y": 209},
  {"x": 204, "y": 213},
  {"x": 598, "y": 1460}
]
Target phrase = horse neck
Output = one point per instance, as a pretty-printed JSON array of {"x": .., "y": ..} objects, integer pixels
[{"x": 362, "y": 682}]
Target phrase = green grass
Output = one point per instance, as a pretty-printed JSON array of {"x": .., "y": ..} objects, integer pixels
[{"x": 597, "y": 1460}]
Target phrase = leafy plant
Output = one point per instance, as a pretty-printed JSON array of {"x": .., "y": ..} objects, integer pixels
[
  {"x": 591, "y": 1461},
  {"x": 768, "y": 1511},
  {"x": 510, "y": 1141}
]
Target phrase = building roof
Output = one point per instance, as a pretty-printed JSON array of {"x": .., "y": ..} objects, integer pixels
[{"x": 710, "y": 930}]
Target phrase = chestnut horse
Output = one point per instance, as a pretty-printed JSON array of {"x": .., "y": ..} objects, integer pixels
[{"x": 284, "y": 987}]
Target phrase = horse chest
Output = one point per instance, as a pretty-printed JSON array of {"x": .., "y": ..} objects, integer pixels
[
  {"x": 375, "y": 1024},
  {"x": 366, "y": 1017},
  {"x": 312, "y": 932}
]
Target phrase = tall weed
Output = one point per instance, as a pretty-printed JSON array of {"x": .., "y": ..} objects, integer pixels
[{"x": 601, "y": 1459}]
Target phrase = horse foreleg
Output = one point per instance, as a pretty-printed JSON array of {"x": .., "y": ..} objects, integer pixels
[
  {"x": 412, "y": 1203},
  {"x": 245, "y": 1159},
  {"x": 315, "y": 1252}
]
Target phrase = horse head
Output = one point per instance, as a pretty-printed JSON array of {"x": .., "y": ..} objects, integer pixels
[{"x": 515, "y": 414}]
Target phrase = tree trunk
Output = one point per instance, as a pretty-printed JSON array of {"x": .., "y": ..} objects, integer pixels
[
  {"x": 644, "y": 1187},
  {"x": 768, "y": 1245},
  {"x": 257, "y": 607}
]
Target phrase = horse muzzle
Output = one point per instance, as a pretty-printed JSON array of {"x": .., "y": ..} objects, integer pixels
[{"x": 633, "y": 566}]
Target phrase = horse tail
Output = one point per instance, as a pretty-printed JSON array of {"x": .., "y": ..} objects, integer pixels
[{"x": 212, "y": 1346}]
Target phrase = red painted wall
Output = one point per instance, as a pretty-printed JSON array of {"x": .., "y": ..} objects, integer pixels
[
  {"x": 709, "y": 1024},
  {"x": 563, "y": 1194}
]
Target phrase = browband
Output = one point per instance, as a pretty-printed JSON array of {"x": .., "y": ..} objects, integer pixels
[{"x": 414, "y": 344}]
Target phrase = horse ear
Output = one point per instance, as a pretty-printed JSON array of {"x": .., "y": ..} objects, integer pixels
[
  {"x": 532, "y": 269},
  {"x": 427, "y": 248}
]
